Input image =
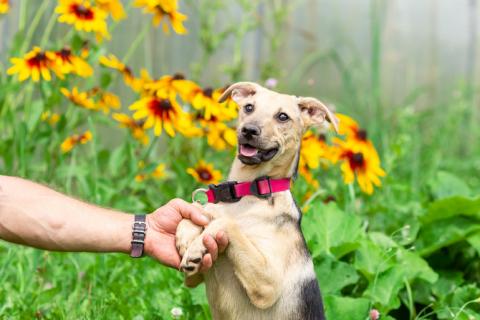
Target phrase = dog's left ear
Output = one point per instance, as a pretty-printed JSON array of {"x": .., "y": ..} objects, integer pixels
[{"x": 314, "y": 112}]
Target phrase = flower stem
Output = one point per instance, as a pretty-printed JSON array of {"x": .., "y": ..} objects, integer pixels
[
  {"x": 33, "y": 26},
  {"x": 136, "y": 43},
  {"x": 48, "y": 29}
]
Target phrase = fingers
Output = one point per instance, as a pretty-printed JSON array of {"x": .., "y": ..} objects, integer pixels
[
  {"x": 222, "y": 241},
  {"x": 211, "y": 246},
  {"x": 207, "y": 263},
  {"x": 189, "y": 211}
]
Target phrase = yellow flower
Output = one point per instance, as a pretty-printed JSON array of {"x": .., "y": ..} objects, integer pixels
[
  {"x": 35, "y": 64},
  {"x": 207, "y": 101},
  {"x": 113, "y": 7},
  {"x": 107, "y": 101},
  {"x": 205, "y": 173},
  {"x": 69, "y": 63},
  {"x": 81, "y": 99},
  {"x": 219, "y": 134},
  {"x": 69, "y": 143},
  {"x": 164, "y": 9},
  {"x": 176, "y": 83},
  {"x": 159, "y": 172},
  {"x": 51, "y": 118},
  {"x": 4, "y": 6},
  {"x": 352, "y": 130},
  {"x": 305, "y": 172},
  {"x": 315, "y": 150},
  {"x": 160, "y": 111},
  {"x": 136, "y": 127},
  {"x": 111, "y": 61},
  {"x": 83, "y": 16},
  {"x": 360, "y": 161}
]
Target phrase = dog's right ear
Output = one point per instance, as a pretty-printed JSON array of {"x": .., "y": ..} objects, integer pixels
[{"x": 239, "y": 91}]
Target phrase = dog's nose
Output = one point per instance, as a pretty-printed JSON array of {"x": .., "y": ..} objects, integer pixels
[{"x": 250, "y": 131}]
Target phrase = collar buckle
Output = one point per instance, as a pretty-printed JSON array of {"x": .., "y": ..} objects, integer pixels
[
  {"x": 224, "y": 192},
  {"x": 254, "y": 187}
]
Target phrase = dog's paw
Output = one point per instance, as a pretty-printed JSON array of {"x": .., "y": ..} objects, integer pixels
[
  {"x": 186, "y": 233},
  {"x": 192, "y": 259}
]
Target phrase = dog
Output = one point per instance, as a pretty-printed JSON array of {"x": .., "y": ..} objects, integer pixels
[{"x": 266, "y": 271}]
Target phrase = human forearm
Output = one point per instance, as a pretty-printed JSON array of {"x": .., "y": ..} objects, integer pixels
[{"x": 37, "y": 216}]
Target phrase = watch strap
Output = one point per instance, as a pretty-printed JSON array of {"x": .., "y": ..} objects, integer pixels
[{"x": 139, "y": 231}]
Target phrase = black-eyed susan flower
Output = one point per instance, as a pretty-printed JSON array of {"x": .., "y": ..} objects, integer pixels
[
  {"x": 307, "y": 174},
  {"x": 83, "y": 16},
  {"x": 158, "y": 173},
  {"x": 113, "y": 7},
  {"x": 104, "y": 100},
  {"x": 176, "y": 83},
  {"x": 219, "y": 134},
  {"x": 315, "y": 150},
  {"x": 360, "y": 162},
  {"x": 160, "y": 112},
  {"x": 164, "y": 10},
  {"x": 4, "y": 6},
  {"x": 36, "y": 64},
  {"x": 70, "y": 63},
  {"x": 78, "y": 98},
  {"x": 207, "y": 100},
  {"x": 136, "y": 127},
  {"x": 112, "y": 62},
  {"x": 69, "y": 143},
  {"x": 205, "y": 173},
  {"x": 351, "y": 129},
  {"x": 50, "y": 117}
]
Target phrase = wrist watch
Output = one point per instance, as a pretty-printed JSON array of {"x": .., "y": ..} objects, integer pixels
[{"x": 139, "y": 230}]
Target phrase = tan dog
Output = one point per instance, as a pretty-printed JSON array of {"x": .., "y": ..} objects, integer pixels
[{"x": 266, "y": 271}]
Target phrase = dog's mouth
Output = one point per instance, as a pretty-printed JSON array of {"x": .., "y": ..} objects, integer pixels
[{"x": 250, "y": 154}]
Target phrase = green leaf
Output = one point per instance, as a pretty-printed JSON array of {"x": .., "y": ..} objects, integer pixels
[
  {"x": 474, "y": 241},
  {"x": 346, "y": 308},
  {"x": 384, "y": 289},
  {"x": 443, "y": 233},
  {"x": 451, "y": 207},
  {"x": 334, "y": 275},
  {"x": 445, "y": 184},
  {"x": 328, "y": 228},
  {"x": 371, "y": 259},
  {"x": 415, "y": 266}
]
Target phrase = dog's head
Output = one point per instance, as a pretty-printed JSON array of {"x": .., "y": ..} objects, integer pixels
[{"x": 271, "y": 124}]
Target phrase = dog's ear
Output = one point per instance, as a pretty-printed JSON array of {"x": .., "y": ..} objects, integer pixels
[
  {"x": 239, "y": 91},
  {"x": 314, "y": 112}
]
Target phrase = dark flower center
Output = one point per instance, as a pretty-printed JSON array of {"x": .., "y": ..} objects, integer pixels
[
  {"x": 160, "y": 108},
  {"x": 208, "y": 92},
  {"x": 204, "y": 174},
  {"x": 38, "y": 60},
  {"x": 82, "y": 12},
  {"x": 178, "y": 76},
  {"x": 322, "y": 137},
  {"x": 356, "y": 160},
  {"x": 362, "y": 134},
  {"x": 65, "y": 54}
]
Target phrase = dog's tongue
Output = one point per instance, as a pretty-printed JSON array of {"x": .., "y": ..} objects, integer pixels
[{"x": 247, "y": 151}]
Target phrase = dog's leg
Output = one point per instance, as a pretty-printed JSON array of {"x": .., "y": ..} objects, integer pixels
[
  {"x": 258, "y": 275},
  {"x": 187, "y": 231}
]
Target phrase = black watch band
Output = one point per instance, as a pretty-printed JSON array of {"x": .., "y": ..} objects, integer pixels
[{"x": 139, "y": 231}]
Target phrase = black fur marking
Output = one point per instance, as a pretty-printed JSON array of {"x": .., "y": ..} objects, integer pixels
[
  {"x": 283, "y": 219},
  {"x": 312, "y": 305}
]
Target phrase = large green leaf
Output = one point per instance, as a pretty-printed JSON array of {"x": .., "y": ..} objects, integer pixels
[
  {"x": 445, "y": 232},
  {"x": 371, "y": 259},
  {"x": 344, "y": 308},
  {"x": 452, "y": 206},
  {"x": 334, "y": 275},
  {"x": 331, "y": 230},
  {"x": 384, "y": 288},
  {"x": 445, "y": 184}
]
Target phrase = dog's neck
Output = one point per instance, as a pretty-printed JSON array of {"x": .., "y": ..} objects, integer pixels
[{"x": 274, "y": 169}]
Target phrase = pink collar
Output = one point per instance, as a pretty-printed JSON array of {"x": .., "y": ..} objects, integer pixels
[{"x": 232, "y": 191}]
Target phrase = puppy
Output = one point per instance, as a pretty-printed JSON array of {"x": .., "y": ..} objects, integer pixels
[{"x": 266, "y": 271}]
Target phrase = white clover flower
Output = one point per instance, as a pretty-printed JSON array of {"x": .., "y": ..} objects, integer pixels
[{"x": 176, "y": 312}]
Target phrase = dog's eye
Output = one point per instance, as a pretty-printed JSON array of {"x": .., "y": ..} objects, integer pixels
[
  {"x": 282, "y": 117},
  {"x": 248, "y": 108}
]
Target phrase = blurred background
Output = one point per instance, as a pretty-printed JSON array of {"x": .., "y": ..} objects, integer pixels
[{"x": 407, "y": 71}]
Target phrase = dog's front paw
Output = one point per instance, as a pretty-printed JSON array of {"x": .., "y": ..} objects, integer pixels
[
  {"x": 192, "y": 259},
  {"x": 187, "y": 232}
]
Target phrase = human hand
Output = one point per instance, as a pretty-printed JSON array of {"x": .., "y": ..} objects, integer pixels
[{"x": 162, "y": 226}]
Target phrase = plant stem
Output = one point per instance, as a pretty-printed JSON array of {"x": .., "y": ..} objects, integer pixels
[
  {"x": 33, "y": 26},
  {"x": 411, "y": 307},
  {"x": 136, "y": 43},
  {"x": 23, "y": 15},
  {"x": 48, "y": 29}
]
